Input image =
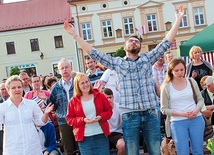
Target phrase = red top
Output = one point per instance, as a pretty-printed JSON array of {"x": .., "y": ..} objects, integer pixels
[{"x": 75, "y": 114}]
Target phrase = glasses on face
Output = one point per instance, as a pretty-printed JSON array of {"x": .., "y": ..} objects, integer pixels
[
  {"x": 134, "y": 40},
  {"x": 66, "y": 67}
]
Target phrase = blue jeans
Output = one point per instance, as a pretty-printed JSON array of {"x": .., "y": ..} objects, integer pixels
[
  {"x": 185, "y": 130},
  {"x": 145, "y": 121},
  {"x": 94, "y": 145}
]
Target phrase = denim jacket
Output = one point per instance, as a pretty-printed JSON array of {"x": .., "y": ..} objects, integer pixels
[{"x": 59, "y": 99}]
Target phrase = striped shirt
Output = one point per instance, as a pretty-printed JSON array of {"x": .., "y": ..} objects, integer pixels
[
  {"x": 136, "y": 86},
  {"x": 95, "y": 77}
]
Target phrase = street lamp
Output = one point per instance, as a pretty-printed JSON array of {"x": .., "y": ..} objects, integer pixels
[{"x": 41, "y": 55}]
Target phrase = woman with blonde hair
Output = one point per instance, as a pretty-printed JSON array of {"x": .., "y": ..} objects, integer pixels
[
  {"x": 19, "y": 116},
  {"x": 183, "y": 114},
  {"x": 197, "y": 68},
  {"x": 88, "y": 112}
]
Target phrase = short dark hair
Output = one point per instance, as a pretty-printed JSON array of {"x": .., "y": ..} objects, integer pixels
[
  {"x": 107, "y": 91},
  {"x": 51, "y": 80},
  {"x": 87, "y": 57}
]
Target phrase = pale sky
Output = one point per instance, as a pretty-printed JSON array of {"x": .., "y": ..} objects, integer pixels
[{"x": 9, "y": 1}]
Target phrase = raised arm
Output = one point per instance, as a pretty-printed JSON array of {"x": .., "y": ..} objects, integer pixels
[
  {"x": 173, "y": 31},
  {"x": 83, "y": 44}
]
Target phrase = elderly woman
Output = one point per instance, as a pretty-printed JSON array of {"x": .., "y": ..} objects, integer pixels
[
  {"x": 198, "y": 67},
  {"x": 19, "y": 116}
]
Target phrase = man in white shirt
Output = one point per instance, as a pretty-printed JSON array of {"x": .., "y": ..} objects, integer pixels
[
  {"x": 116, "y": 136},
  {"x": 109, "y": 80}
]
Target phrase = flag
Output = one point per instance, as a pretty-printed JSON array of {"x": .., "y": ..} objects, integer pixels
[{"x": 140, "y": 31}]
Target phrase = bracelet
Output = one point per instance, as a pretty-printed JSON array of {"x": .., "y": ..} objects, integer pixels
[{"x": 75, "y": 36}]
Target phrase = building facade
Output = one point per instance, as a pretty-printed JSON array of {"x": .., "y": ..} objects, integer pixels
[{"x": 105, "y": 24}]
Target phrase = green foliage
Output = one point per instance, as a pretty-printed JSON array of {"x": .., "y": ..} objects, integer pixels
[
  {"x": 14, "y": 71},
  {"x": 120, "y": 52}
]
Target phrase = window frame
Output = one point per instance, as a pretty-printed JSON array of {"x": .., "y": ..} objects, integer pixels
[
  {"x": 88, "y": 30},
  {"x": 10, "y": 46},
  {"x": 128, "y": 24},
  {"x": 107, "y": 26},
  {"x": 198, "y": 14},
  {"x": 34, "y": 43},
  {"x": 58, "y": 40},
  {"x": 152, "y": 20}
]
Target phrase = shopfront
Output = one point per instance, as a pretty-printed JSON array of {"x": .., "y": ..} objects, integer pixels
[{"x": 31, "y": 69}]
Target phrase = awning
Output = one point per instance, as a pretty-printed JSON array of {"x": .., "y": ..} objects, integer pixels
[{"x": 204, "y": 39}]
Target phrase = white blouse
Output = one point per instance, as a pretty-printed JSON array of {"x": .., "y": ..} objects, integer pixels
[{"x": 20, "y": 134}]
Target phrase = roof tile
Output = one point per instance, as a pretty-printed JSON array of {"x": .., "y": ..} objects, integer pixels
[{"x": 33, "y": 13}]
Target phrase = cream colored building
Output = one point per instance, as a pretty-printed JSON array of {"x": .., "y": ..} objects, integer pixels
[
  {"x": 105, "y": 24},
  {"x": 29, "y": 60},
  {"x": 32, "y": 37}
]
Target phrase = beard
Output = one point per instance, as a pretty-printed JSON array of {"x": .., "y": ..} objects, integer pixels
[{"x": 134, "y": 51}]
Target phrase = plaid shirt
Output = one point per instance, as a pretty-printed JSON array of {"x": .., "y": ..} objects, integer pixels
[
  {"x": 136, "y": 85},
  {"x": 159, "y": 74}
]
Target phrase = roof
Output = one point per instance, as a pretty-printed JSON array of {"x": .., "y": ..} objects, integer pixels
[
  {"x": 204, "y": 39},
  {"x": 33, "y": 13}
]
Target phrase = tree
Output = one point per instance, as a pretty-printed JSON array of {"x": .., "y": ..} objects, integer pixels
[
  {"x": 120, "y": 52},
  {"x": 14, "y": 71}
]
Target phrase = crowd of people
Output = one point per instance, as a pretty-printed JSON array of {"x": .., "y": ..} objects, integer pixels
[{"x": 99, "y": 110}]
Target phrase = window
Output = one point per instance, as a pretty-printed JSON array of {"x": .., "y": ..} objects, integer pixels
[
  {"x": 55, "y": 70},
  {"x": 199, "y": 16},
  {"x": 107, "y": 28},
  {"x": 104, "y": 6},
  {"x": 125, "y": 2},
  {"x": 58, "y": 41},
  {"x": 128, "y": 26},
  {"x": 152, "y": 23},
  {"x": 184, "y": 20},
  {"x": 34, "y": 44},
  {"x": 83, "y": 8},
  {"x": 10, "y": 48},
  {"x": 86, "y": 31}
]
